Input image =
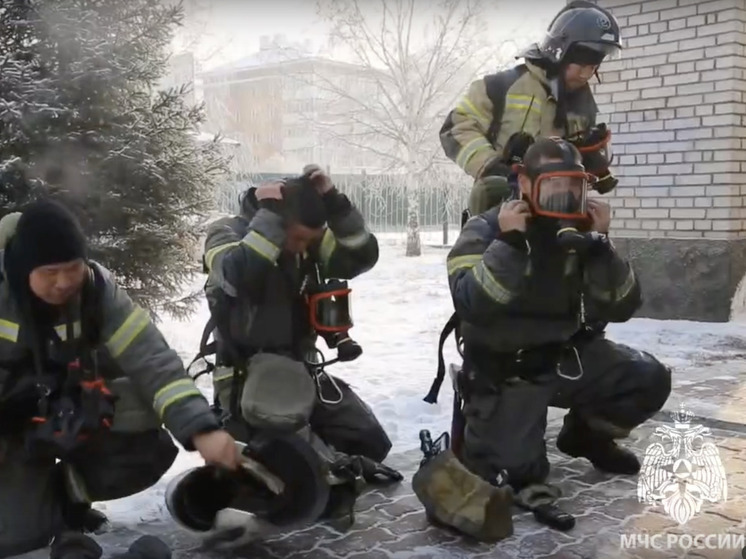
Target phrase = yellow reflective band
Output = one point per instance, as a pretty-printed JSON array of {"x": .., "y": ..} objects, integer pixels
[
  {"x": 462, "y": 262},
  {"x": 621, "y": 292},
  {"x": 354, "y": 241},
  {"x": 491, "y": 286},
  {"x": 261, "y": 246},
  {"x": 629, "y": 283},
  {"x": 467, "y": 108},
  {"x": 174, "y": 392},
  {"x": 61, "y": 330},
  {"x": 136, "y": 322},
  {"x": 328, "y": 244},
  {"x": 213, "y": 252},
  {"x": 523, "y": 102},
  {"x": 471, "y": 148},
  {"x": 9, "y": 330},
  {"x": 222, "y": 373}
]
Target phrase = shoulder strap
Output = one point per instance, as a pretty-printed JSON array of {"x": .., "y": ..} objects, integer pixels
[
  {"x": 453, "y": 325},
  {"x": 497, "y": 88},
  {"x": 92, "y": 307}
]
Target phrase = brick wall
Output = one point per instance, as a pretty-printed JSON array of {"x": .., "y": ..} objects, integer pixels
[{"x": 676, "y": 103}]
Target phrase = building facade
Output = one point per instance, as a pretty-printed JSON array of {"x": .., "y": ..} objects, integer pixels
[
  {"x": 676, "y": 104},
  {"x": 286, "y": 106}
]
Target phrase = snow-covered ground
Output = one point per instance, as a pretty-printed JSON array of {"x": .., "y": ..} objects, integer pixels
[{"x": 400, "y": 308}]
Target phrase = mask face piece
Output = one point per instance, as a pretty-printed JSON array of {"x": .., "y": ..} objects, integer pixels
[
  {"x": 560, "y": 194},
  {"x": 329, "y": 308}
]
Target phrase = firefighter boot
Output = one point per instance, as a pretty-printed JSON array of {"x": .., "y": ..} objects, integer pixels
[{"x": 576, "y": 439}]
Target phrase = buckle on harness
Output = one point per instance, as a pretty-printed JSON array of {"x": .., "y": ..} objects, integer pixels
[{"x": 320, "y": 389}]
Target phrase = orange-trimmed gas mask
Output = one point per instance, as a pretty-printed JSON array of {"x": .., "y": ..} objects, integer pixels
[
  {"x": 559, "y": 190},
  {"x": 329, "y": 307},
  {"x": 596, "y": 150}
]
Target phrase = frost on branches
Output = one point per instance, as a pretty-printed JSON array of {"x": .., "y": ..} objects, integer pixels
[
  {"x": 410, "y": 60},
  {"x": 81, "y": 119}
]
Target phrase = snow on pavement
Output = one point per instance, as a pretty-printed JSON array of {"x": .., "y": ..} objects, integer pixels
[{"x": 399, "y": 309}]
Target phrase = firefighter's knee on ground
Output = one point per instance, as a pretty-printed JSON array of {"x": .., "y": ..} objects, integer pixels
[{"x": 278, "y": 394}]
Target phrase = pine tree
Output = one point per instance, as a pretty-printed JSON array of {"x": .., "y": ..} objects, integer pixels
[{"x": 81, "y": 118}]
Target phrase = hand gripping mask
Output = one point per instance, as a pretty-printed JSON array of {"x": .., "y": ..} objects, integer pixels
[
  {"x": 559, "y": 188},
  {"x": 595, "y": 149},
  {"x": 329, "y": 307}
]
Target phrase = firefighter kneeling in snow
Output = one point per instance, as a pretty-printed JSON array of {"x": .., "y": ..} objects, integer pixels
[
  {"x": 277, "y": 280},
  {"x": 86, "y": 381},
  {"x": 531, "y": 280}
]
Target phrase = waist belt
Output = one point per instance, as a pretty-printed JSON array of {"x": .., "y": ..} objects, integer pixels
[{"x": 561, "y": 358}]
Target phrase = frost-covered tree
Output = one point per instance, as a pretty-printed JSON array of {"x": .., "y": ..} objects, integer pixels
[
  {"x": 414, "y": 57},
  {"x": 81, "y": 119}
]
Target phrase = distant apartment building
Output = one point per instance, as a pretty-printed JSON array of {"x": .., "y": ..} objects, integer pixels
[{"x": 287, "y": 108}]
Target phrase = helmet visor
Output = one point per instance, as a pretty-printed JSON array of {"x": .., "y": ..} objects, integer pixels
[{"x": 608, "y": 51}]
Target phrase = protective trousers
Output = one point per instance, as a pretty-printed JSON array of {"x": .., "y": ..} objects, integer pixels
[
  {"x": 35, "y": 494},
  {"x": 506, "y": 421}
]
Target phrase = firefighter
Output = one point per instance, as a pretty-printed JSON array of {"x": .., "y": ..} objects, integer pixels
[
  {"x": 526, "y": 278},
  {"x": 548, "y": 95},
  {"x": 86, "y": 383},
  {"x": 276, "y": 282}
]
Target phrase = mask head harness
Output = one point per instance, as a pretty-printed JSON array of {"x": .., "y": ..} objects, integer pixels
[{"x": 559, "y": 181}]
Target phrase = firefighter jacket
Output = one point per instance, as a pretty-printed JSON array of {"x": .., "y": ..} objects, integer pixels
[
  {"x": 522, "y": 99},
  {"x": 510, "y": 298},
  {"x": 132, "y": 358},
  {"x": 258, "y": 289}
]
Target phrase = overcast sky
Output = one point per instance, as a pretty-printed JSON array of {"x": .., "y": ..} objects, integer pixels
[{"x": 229, "y": 29}]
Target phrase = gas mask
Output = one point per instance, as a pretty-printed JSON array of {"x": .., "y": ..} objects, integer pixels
[
  {"x": 558, "y": 195},
  {"x": 595, "y": 148},
  {"x": 330, "y": 316},
  {"x": 559, "y": 191}
]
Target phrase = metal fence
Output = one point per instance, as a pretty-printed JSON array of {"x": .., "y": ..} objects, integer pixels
[{"x": 382, "y": 199}]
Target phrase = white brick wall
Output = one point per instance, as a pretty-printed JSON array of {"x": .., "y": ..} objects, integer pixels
[{"x": 676, "y": 104}]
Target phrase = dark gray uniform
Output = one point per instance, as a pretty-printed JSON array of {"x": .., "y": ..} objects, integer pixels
[
  {"x": 521, "y": 314},
  {"x": 257, "y": 291},
  {"x": 153, "y": 389}
]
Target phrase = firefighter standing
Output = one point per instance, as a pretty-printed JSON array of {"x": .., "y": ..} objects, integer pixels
[{"x": 548, "y": 95}]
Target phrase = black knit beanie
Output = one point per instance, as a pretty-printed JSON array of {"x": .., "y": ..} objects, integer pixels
[{"x": 47, "y": 233}]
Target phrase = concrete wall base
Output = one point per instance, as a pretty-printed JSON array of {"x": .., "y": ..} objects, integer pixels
[{"x": 686, "y": 279}]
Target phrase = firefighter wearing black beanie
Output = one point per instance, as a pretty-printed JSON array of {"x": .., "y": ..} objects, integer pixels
[{"x": 47, "y": 234}]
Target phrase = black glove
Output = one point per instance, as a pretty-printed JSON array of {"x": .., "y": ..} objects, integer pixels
[
  {"x": 517, "y": 146},
  {"x": 373, "y": 471},
  {"x": 336, "y": 203},
  {"x": 146, "y": 547},
  {"x": 496, "y": 168},
  {"x": 275, "y": 206},
  {"x": 74, "y": 545}
]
